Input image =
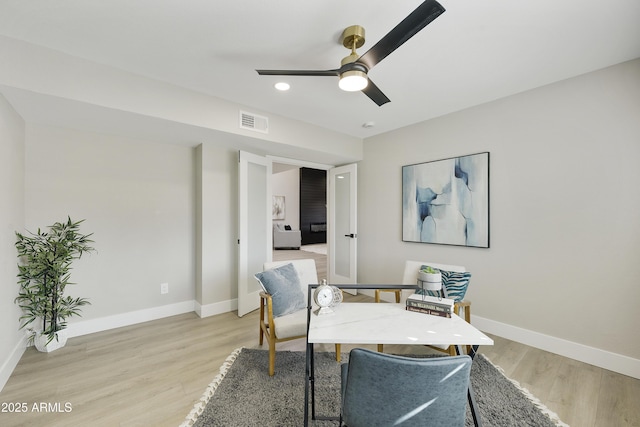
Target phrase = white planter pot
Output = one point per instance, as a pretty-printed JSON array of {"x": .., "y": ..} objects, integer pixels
[
  {"x": 40, "y": 341},
  {"x": 430, "y": 281}
]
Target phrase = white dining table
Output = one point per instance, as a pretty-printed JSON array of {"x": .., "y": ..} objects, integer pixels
[{"x": 384, "y": 323}]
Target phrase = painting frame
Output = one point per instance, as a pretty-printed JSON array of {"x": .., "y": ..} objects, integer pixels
[
  {"x": 446, "y": 201},
  {"x": 278, "y": 208}
]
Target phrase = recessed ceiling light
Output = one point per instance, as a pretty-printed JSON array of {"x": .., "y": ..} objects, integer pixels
[{"x": 282, "y": 86}]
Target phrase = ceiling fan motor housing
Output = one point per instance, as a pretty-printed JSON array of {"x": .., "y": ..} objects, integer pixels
[{"x": 353, "y": 37}]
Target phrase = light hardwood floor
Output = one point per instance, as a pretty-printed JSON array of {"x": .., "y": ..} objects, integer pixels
[{"x": 151, "y": 374}]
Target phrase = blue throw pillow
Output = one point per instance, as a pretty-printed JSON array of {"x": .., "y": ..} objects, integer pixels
[
  {"x": 455, "y": 284},
  {"x": 283, "y": 284}
]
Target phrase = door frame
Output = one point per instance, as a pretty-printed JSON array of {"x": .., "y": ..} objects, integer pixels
[{"x": 248, "y": 289}]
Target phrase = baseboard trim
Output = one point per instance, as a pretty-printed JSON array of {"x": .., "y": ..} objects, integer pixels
[
  {"x": 12, "y": 361},
  {"x": 84, "y": 327},
  {"x": 594, "y": 356},
  {"x": 216, "y": 308},
  {"x": 91, "y": 326}
]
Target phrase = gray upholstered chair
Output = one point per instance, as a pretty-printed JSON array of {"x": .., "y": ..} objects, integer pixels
[{"x": 385, "y": 390}]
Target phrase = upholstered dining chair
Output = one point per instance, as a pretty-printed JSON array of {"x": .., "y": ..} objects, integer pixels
[
  {"x": 455, "y": 280},
  {"x": 386, "y": 390},
  {"x": 283, "y": 303}
]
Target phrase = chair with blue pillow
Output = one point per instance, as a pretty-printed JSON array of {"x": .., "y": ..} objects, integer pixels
[
  {"x": 283, "y": 302},
  {"x": 455, "y": 280}
]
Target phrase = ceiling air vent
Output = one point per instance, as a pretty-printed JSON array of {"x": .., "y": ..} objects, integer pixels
[{"x": 254, "y": 122}]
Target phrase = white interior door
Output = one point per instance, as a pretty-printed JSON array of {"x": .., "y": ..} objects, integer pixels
[
  {"x": 342, "y": 235},
  {"x": 254, "y": 229}
]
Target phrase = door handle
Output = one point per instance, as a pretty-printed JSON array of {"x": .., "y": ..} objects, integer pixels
[{"x": 352, "y": 236}]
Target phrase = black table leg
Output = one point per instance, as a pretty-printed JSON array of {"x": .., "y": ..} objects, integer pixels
[
  {"x": 471, "y": 396},
  {"x": 309, "y": 368},
  {"x": 312, "y": 377},
  {"x": 307, "y": 373},
  {"x": 309, "y": 386},
  {"x": 474, "y": 407}
]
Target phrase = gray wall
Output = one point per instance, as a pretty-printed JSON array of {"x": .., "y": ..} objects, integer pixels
[
  {"x": 216, "y": 234},
  {"x": 565, "y": 203},
  {"x": 12, "y": 136},
  {"x": 137, "y": 198}
]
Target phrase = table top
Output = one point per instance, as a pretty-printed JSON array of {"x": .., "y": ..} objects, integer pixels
[{"x": 390, "y": 323}]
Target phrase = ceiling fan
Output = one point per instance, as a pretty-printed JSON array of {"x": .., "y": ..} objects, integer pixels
[{"x": 354, "y": 68}]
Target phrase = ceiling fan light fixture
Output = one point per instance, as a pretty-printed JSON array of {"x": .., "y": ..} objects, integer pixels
[{"x": 353, "y": 81}]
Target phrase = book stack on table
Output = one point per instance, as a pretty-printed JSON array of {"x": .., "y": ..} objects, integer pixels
[{"x": 427, "y": 304}]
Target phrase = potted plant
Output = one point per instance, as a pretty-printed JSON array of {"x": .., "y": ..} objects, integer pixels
[
  {"x": 44, "y": 264},
  {"x": 431, "y": 278}
]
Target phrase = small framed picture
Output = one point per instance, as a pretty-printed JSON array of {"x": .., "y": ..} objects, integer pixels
[{"x": 278, "y": 207}]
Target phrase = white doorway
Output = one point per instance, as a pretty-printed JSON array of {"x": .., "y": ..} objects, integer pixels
[{"x": 341, "y": 258}]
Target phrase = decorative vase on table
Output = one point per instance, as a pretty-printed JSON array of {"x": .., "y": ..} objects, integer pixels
[{"x": 430, "y": 280}]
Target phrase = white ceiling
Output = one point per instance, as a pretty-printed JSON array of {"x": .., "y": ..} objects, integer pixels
[{"x": 477, "y": 51}]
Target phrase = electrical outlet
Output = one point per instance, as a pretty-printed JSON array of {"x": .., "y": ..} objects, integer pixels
[{"x": 164, "y": 288}]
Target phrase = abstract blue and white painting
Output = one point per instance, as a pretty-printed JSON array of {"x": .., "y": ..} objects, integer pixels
[{"x": 447, "y": 201}]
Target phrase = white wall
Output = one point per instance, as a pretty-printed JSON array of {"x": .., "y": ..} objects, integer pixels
[
  {"x": 287, "y": 184},
  {"x": 12, "y": 137},
  {"x": 138, "y": 198},
  {"x": 217, "y": 266},
  {"x": 564, "y": 203}
]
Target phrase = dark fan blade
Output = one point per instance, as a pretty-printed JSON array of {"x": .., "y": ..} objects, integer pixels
[
  {"x": 375, "y": 94},
  {"x": 319, "y": 73},
  {"x": 416, "y": 21}
]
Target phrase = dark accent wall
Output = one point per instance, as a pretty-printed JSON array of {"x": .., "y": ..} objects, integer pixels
[{"x": 313, "y": 205}]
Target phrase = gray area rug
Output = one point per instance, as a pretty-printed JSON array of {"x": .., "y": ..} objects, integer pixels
[{"x": 243, "y": 394}]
